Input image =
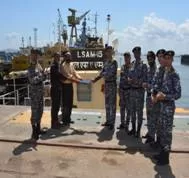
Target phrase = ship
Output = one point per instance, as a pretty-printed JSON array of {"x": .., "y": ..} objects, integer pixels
[
  {"x": 87, "y": 56},
  {"x": 185, "y": 59}
]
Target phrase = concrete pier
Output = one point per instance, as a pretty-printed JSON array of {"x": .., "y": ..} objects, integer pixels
[{"x": 85, "y": 149}]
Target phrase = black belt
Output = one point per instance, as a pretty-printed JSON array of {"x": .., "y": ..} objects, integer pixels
[
  {"x": 112, "y": 81},
  {"x": 137, "y": 88},
  {"x": 36, "y": 84},
  {"x": 126, "y": 88}
]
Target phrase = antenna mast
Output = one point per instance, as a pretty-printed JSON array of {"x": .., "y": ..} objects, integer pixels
[
  {"x": 22, "y": 42},
  {"x": 96, "y": 24},
  {"x": 60, "y": 24},
  {"x": 35, "y": 37},
  {"x": 108, "y": 20},
  {"x": 30, "y": 41}
]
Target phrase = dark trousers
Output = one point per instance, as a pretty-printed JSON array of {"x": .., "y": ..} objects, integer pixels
[
  {"x": 55, "y": 104},
  {"x": 67, "y": 101}
]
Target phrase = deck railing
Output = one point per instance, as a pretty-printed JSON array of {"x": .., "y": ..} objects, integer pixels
[{"x": 12, "y": 96}]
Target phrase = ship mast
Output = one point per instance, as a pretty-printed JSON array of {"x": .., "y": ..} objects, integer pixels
[
  {"x": 35, "y": 37},
  {"x": 60, "y": 23},
  {"x": 23, "y": 42},
  {"x": 96, "y": 24},
  {"x": 108, "y": 21}
]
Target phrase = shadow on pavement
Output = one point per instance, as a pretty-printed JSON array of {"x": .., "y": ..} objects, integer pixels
[
  {"x": 133, "y": 144},
  {"x": 163, "y": 172},
  {"x": 52, "y": 133},
  {"x": 105, "y": 134},
  {"x": 25, "y": 146}
]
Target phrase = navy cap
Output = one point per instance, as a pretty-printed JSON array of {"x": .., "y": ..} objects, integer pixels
[
  {"x": 64, "y": 52},
  {"x": 127, "y": 54},
  {"x": 109, "y": 47},
  {"x": 136, "y": 49},
  {"x": 151, "y": 53},
  {"x": 56, "y": 54},
  {"x": 160, "y": 51},
  {"x": 169, "y": 53}
]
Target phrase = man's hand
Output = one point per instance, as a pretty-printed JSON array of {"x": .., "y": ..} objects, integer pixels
[
  {"x": 93, "y": 81},
  {"x": 160, "y": 96},
  {"x": 76, "y": 80},
  {"x": 154, "y": 99}
]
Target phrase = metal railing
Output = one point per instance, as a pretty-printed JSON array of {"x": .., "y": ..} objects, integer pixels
[{"x": 13, "y": 95}]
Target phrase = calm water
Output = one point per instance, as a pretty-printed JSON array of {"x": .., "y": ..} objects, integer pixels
[{"x": 183, "y": 71}]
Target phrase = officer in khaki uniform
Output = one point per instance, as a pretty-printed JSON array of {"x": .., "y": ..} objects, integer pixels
[{"x": 68, "y": 71}]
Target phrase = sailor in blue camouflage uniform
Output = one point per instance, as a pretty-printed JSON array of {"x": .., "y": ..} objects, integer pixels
[
  {"x": 153, "y": 136},
  {"x": 169, "y": 91},
  {"x": 36, "y": 90},
  {"x": 148, "y": 86},
  {"x": 137, "y": 76},
  {"x": 109, "y": 73},
  {"x": 124, "y": 93}
]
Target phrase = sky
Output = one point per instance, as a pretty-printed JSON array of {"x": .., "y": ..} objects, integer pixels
[{"x": 150, "y": 24}]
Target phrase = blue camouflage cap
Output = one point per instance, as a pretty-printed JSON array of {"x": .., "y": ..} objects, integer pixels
[
  {"x": 160, "y": 51},
  {"x": 169, "y": 53},
  {"x": 136, "y": 49}
]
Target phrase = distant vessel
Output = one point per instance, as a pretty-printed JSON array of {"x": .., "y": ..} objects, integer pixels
[
  {"x": 185, "y": 59},
  {"x": 5, "y": 61},
  {"x": 87, "y": 51}
]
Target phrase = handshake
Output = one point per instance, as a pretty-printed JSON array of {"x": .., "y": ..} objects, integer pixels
[{"x": 85, "y": 81}]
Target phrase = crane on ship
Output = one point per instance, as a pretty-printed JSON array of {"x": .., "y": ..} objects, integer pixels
[
  {"x": 62, "y": 31},
  {"x": 73, "y": 21}
]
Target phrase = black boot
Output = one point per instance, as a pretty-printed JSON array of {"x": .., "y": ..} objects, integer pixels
[
  {"x": 133, "y": 130},
  {"x": 55, "y": 124},
  {"x": 157, "y": 156},
  {"x": 158, "y": 144},
  {"x": 127, "y": 129},
  {"x": 149, "y": 140},
  {"x": 35, "y": 134},
  {"x": 138, "y": 131},
  {"x": 39, "y": 131},
  {"x": 121, "y": 126},
  {"x": 105, "y": 124},
  {"x": 163, "y": 158},
  {"x": 146, "y": 136}
]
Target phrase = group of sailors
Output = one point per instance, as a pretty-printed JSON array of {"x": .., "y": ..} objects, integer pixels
[{"x": 160, "y": 85}]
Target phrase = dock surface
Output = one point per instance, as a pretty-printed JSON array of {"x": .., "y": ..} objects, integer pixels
[{"x": 85, "y": 149}]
